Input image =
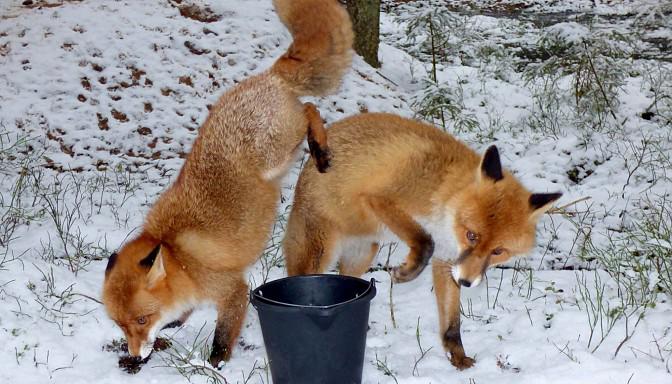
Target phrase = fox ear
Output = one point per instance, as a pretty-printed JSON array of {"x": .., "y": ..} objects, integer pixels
[
  {"x": 111, "y": 261},
  {"x": 148, "y": 261},
  {"x": 491, "y": 166},
  {"x": 154, "y": 261},
  {"x": 541, "y": 202}
]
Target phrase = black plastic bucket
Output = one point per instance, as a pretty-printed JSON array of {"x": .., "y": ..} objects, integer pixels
[{"x": 314, "y": 327}]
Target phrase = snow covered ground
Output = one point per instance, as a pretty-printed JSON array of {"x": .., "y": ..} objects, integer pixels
[{"x": 100, "y": 100}]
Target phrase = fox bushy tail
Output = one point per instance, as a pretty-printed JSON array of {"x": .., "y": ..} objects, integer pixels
[{"x": 321, "y": 52}]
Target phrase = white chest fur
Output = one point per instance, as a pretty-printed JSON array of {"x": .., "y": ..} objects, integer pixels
[{"x": 441, "y": 226}]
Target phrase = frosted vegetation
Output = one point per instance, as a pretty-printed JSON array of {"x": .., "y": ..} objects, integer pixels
[{"x": 99, "y": 102}]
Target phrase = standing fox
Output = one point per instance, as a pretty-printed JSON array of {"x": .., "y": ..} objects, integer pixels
[
  {"x": 431, "y": 191},
  {"x": 214, "y": 221}
]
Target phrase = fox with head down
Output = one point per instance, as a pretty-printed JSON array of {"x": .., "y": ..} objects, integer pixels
[{"x": 212, "y": 224}]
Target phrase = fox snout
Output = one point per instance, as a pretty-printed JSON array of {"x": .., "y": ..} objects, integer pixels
[
  {"x": 143, "y": 350},
  {"x": 462, "y": 278},
  {"x": 139, "y": 346}
]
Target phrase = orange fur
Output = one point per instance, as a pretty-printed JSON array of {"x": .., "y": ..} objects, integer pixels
[
  {"x": 427, "y": 188},
  {"x": 213, "y": 222}
]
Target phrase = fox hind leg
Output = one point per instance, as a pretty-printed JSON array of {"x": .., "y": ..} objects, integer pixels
[
  {"x": 308, "y": 243},
  {"x": 356, "y": 256}
]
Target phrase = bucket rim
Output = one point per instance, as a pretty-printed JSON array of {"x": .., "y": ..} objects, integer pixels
[{"x": 370, "y": 290}]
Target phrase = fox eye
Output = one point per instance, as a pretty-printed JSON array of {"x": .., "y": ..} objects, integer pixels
[
  {"x": 498, "y": 251},
  {"x": 142, "y": 320},
  {"x": 471, "y": 236}
]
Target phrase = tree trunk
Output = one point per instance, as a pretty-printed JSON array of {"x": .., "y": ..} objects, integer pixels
[{"x": 365, "y": 16}]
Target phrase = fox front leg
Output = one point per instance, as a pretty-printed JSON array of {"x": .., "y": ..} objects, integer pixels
[
  {"x": 448, "y": 301},
  {"x": 317, "y": 138},
  {"x": 230, "y": 315}
]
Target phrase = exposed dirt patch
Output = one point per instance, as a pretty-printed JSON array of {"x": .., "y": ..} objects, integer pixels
[
  {"x": 47, "y": 4},
  {"x": 209, "y": 31},
  {"x": 579, "y": 173},
  {"x": 136, "y": 74},
  {"x": 194, "y": 49},
  {"x": 86, "y": 84},
  {"x": 57, "y": 137},
  {"x": 186, "y": 80},
  {"x": 144, "y": 131},
  {"x": 5, "y": 49},
  {"x": 129, "y": 363},
  {"x": 120, "y": 116},
  {"x": 504, "y": 365},
  {"x": 102, "y": 122},
  {"x": 204, "y": 15}
]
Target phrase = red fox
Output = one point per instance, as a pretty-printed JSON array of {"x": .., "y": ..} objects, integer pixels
[
  {"x": 431, "y": 191},
  {"x": 213, "y": 222}
]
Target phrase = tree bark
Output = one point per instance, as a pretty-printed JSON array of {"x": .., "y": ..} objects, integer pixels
[{"x": 365, "y": 16}]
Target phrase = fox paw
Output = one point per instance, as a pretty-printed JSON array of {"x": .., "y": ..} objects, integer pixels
[
  {"x": 402, "y": 274},
  {"x": 462, "y": 362},
  {"x": 219, "y": 355},
  {"x": 399, "y": 274},
  {"x": 216, "y": 360}
]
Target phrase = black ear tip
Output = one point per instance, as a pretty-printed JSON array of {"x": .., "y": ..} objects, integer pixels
[
  {"x": 554, "y": 196},
  {"x": 110, "y": 262},
  {"x": 148, "y": 261},
  {"x": 538, "y": 200},
  {"x": 492, "y": 166}
]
